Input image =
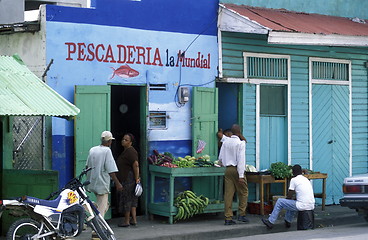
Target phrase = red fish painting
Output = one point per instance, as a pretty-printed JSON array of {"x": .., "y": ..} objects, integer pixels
[{"x": 124, "y": 71}]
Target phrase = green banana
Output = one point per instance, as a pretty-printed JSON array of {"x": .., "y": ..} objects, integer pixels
[
  {"x": 179, "y": 215},
  {"x": 189, "y": 204},
  {"x": 186, "y": 209},
  {"x": 190, "y": 194},
  {"x": 193, "y": 201}
]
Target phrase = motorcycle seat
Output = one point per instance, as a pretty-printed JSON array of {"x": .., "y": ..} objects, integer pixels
[{"x": 37, "y": 201}]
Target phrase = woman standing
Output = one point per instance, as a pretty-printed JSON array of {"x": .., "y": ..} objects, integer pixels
[{"x": 128, "y": 175}]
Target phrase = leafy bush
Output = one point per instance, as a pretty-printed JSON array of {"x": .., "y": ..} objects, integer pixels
[{"x": 280, "y": 170}]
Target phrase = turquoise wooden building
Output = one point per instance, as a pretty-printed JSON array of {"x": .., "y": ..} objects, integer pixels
[{"x": 298, "y": 82}]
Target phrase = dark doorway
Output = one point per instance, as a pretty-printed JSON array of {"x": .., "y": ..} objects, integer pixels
[{"x": 125, "y": 118}]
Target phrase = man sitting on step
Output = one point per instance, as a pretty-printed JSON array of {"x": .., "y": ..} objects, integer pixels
[{"x": 303, "y": 190}]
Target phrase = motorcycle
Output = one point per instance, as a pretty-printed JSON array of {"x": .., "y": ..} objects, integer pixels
[{"x": 62, "y": 217}]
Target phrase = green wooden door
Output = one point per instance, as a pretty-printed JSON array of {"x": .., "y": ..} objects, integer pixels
[
  {"x": 93, "y": 119},
  {"x": 204, "y": 127},
  {"x": 205, "y": 120}
]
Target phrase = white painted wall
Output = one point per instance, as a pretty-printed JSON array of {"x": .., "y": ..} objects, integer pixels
[{"x": 31, "y": 47}]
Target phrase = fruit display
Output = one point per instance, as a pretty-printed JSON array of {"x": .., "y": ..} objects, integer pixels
[
  {"x": 189, "y": 204},
  {"x": 166, "y": 159}
]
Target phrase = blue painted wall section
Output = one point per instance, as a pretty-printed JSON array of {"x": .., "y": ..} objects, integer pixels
[
  {"x": 199, "y": 17},
  {"x": 177, "y": 148},
  {"x": 62, "y": 157},
  {"x": 91, "y": 46},
  {"x": 228, "y": 105}
]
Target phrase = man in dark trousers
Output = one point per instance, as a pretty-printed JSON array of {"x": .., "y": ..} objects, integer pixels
[
  {"x": 300, "y": 187},
  {"x": 232, "y": 156}
]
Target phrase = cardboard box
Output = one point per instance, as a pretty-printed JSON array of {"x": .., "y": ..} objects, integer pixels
[{"x": 274, "y": 199}]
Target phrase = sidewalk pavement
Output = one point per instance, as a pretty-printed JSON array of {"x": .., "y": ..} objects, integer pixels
[{"x": 211, "y": 226}]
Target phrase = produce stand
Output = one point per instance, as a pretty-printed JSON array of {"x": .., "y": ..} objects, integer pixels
[
  {"x": 263, "y": 180},
  {"x": 168, "y": 209},
  {"x": 323, "y": 176}
]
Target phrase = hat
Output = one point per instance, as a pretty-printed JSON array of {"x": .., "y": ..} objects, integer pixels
[
  {"x": 107, "y": 135},
  {"x": 138, "y": 190}
]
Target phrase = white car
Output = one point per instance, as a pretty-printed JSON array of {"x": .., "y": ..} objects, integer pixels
[{"x": 355, "y": 191}]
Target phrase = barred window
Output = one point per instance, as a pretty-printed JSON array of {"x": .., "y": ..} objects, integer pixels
[
  {"x": 267, "y": 68},
  {"x": 330, "y": 71},
  {"x": 157, "y": 120},
  {"x": 158, "y": 87}
]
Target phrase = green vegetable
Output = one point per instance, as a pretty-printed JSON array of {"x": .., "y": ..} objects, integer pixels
[{"x": 280, "y": 170}]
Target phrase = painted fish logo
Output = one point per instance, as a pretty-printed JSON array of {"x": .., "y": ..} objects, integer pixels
[{"x": 124, "y": 72}]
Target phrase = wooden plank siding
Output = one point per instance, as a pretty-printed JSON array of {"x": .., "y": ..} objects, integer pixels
[
  {"x": 233, "y": 46},
  {"x": 249, "y": 116}
]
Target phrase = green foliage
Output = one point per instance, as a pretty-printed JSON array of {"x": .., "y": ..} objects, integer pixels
[{"x": 280, "y": 170}]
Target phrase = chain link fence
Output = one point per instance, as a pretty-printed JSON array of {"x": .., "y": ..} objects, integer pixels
[{"x": 28, "y": 142}]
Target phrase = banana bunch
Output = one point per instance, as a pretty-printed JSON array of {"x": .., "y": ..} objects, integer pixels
[{"x": 189, "y": 204}]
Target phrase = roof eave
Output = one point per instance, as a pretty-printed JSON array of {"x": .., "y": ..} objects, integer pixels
[
  {"x": 231, "y": 21},
  {"x": 316, "y": 39},
  {"x": 33, "y": 26}
]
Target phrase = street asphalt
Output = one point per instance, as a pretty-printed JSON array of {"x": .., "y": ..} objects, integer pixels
[{"x": 211, "y": 226}]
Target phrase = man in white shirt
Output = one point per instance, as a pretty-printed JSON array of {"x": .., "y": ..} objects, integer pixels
[
  {"x": 302, "y": 188},
  {"x": 232, "y": 156},
  {"x": 103, "y": 166}
]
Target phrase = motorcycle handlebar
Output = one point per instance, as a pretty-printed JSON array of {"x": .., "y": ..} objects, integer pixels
[
  {"x": 84, "y": 172},
  {"x": 72, "y": 182}
]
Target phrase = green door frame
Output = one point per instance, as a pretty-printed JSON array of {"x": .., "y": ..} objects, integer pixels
[{"x": 144, "y": 144}]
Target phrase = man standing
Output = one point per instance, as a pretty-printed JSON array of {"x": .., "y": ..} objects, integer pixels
[
  {"x": 303, "y": 190},
  {"x": 232, "y": 156},
  {"x": 103, "y": 166}
]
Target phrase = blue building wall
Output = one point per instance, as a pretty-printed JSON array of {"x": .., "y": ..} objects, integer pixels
[
  {"x": 342, "y": 8},
  {"x": 88, "y": 45}
]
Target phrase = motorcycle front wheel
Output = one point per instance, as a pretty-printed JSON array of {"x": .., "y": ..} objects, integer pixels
[
  {"x": 102, "y": 228},
  {"x": 24, "y": 229}
]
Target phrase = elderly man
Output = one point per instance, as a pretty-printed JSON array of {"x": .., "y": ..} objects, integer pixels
[{"x": 103, "y": 166}]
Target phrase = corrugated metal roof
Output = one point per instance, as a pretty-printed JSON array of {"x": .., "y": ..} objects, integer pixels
[
  {"x": 23, "y": 93},
  {"x": 287, "y": 21}
]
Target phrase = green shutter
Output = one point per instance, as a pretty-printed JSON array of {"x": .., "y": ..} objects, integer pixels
[
  {"x": 204, "y": 127},
  {"x": 205, "y": 120},
  {"x": 94, "y": 118}
]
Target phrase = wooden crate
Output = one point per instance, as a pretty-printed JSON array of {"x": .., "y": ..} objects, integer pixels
[{"x": 254, "y": 208}]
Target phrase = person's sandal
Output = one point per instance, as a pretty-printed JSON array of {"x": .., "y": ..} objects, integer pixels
[{"x": 123, "y": 225}]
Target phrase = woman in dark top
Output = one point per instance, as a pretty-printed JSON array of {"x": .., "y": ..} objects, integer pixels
[{"x": 128, "y": 175}]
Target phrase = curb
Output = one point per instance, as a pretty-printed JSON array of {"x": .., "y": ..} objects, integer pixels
[{"x": 254, "y": 228}]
